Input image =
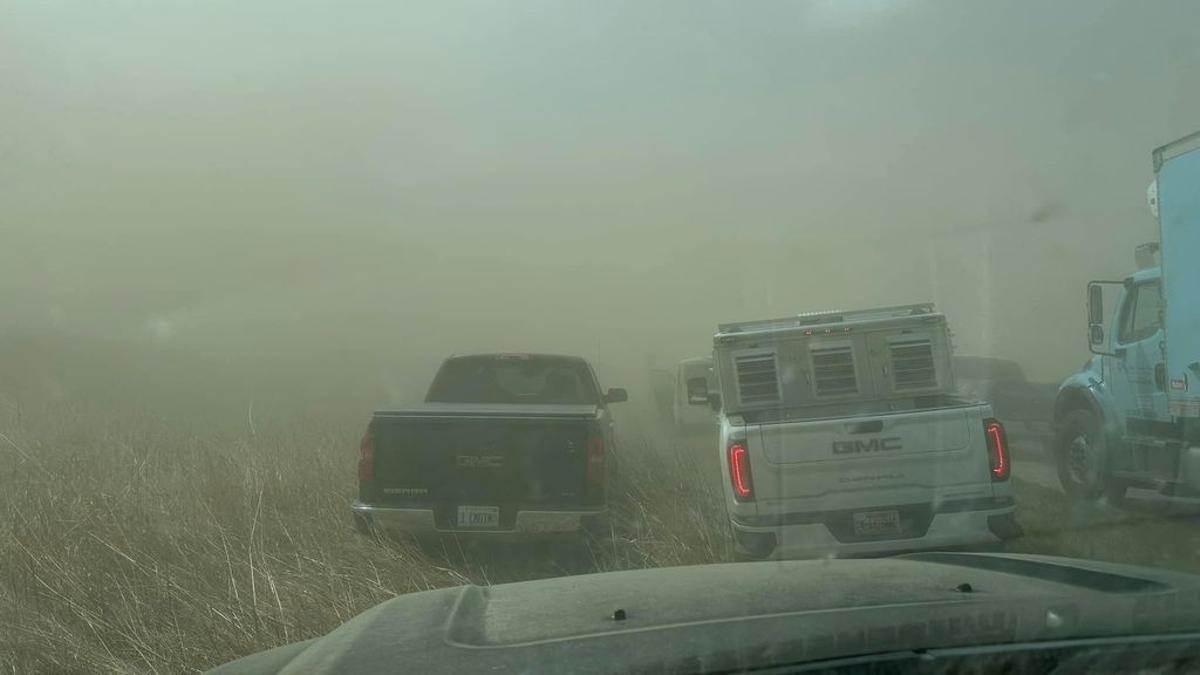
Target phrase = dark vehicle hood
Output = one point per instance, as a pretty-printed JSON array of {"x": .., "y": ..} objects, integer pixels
[
  {"x": 732, "y": 616},
  {"x": 492, "y": 410}
]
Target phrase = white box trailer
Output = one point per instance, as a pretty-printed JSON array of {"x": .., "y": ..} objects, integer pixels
[
  {"x": 1178, "y": 206},
  {"x": 836, "y": 363}
]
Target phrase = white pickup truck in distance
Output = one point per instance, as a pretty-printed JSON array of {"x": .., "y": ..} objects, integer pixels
[
  {"x": 505, "y": 446},
  {"x": 841, "y": 434}
]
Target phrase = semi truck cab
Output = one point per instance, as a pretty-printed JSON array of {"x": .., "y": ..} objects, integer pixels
[{"x": 1129, "y": 418}]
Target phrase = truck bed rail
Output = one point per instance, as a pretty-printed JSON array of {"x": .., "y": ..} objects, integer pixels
[{"x": 826, "y": 318}]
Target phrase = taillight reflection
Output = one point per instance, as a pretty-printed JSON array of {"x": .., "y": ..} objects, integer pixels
[
  {"x": 997, "y": 444},
  {"x": 366, "y": 457},
  {"x": 739, "y": 473},
  {"x": 595, "y": 461}
]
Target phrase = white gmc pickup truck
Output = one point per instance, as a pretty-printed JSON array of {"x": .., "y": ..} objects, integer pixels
[{"x": 841, "y": 434}]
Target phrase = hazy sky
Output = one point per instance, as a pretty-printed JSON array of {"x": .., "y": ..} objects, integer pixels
[{"x": 609, "y": 178}]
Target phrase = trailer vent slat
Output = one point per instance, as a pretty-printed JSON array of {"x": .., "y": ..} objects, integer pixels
[
  {"x": 833, "y": 371},
  {"x": 912, "y": 365},
  {"x": 757, "y": 378}
]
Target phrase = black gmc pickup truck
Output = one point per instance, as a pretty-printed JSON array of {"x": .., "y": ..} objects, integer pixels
[{"x": 505, "y": 444}]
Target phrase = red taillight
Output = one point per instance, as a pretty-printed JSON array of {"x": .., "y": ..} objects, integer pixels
[
  {"x": 366, "y": 457},
  {"x": 595, "y": 461},
  {"x": 739, "y": 473},
  {"x": 997, "y": 444}
]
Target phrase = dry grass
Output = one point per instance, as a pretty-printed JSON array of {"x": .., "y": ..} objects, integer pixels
[
  {"x": 134, "y": 545},
  {"x": 669, "y": 509},
  {"x": 1139, "y": 534}
]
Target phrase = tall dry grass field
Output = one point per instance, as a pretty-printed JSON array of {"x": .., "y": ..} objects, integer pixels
[
  {"x": 137, "y": 544},
  {"x": 185, "y": 530}
]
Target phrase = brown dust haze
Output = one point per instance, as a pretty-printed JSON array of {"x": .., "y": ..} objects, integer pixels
[{"x": 250, "y": 202}]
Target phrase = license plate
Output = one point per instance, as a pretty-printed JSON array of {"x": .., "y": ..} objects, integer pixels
[
  {"x": 876, "y": 523},
  {"x": 479, "y": 516}
]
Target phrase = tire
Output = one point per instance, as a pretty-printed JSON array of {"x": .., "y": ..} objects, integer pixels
[
  {"x": 598, "y": 527},
  {"x": 362, "y": 525},
  {"x": 743, "y": 555},
  {"x": 995, "y": 547},
  {"x": 751, "y": 547},
  {"x": 1081, "y": 455},
  {"x": 1114, "y": 491}
]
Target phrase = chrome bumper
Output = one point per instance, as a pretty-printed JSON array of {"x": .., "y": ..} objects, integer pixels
[
  {"x": 422, "y": 521},
  {"x": 946, "y": 530}
]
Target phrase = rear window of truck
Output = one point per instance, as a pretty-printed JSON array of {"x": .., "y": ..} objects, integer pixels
[{"x": 514, "y": 379}]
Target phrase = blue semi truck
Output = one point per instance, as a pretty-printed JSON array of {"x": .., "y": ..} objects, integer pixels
[{"x": 1131, "y": 417}]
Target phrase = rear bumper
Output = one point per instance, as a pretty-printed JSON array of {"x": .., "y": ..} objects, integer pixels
[
  {"x": 947, "y": 530},
  {"x": 529, "y": 523}
]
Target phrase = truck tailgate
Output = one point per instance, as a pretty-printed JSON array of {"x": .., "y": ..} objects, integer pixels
[
  {"x": 493, "y": 457},
  {"x": 929, "y": 448}
]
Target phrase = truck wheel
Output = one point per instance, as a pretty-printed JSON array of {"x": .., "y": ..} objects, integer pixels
[
  {"x": 362, "y": 525},
  {"x": 1082, "y": 458},
  {"x": 752, "y": 546},
  {"x": 1114, "y": 491},
  {"x": 598, "y": 527}
]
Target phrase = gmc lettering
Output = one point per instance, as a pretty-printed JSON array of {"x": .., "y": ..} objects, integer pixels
[{"x": 859, "y": 446}]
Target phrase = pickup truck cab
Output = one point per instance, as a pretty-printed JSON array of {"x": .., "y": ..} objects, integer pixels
[
  {"x": 505, "y": 444},
  {"x": 841, "y": 434}
]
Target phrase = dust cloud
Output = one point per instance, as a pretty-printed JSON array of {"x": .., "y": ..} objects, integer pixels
[{"x": 240, "y": 203}]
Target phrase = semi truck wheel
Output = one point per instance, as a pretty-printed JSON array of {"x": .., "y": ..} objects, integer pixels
[{"x": 1082, "y": 459}]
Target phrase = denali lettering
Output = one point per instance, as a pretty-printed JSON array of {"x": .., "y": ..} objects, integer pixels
[
  {"x": 479, "y": 461},
  {"x": 405, "y": 491},
  {"x": 858, "y": 446},
  {"x": 870, "y": 477}
]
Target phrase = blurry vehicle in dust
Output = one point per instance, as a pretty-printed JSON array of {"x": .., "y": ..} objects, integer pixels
[
  {"x": 662, "y": 389},
  {"x": 1002, "y": 383},
  {"x": 505, "y": 446},
  {"x": 694, "y": 378}
]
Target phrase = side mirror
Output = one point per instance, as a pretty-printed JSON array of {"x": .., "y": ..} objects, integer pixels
[
  {"x": 714, "y": 401},
  {"x": 616, "y": 395},
  {"x": 697, "y": 391},
  {"x": 1095, "y": 304},
  {"x": 1095, "y": 314}
]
